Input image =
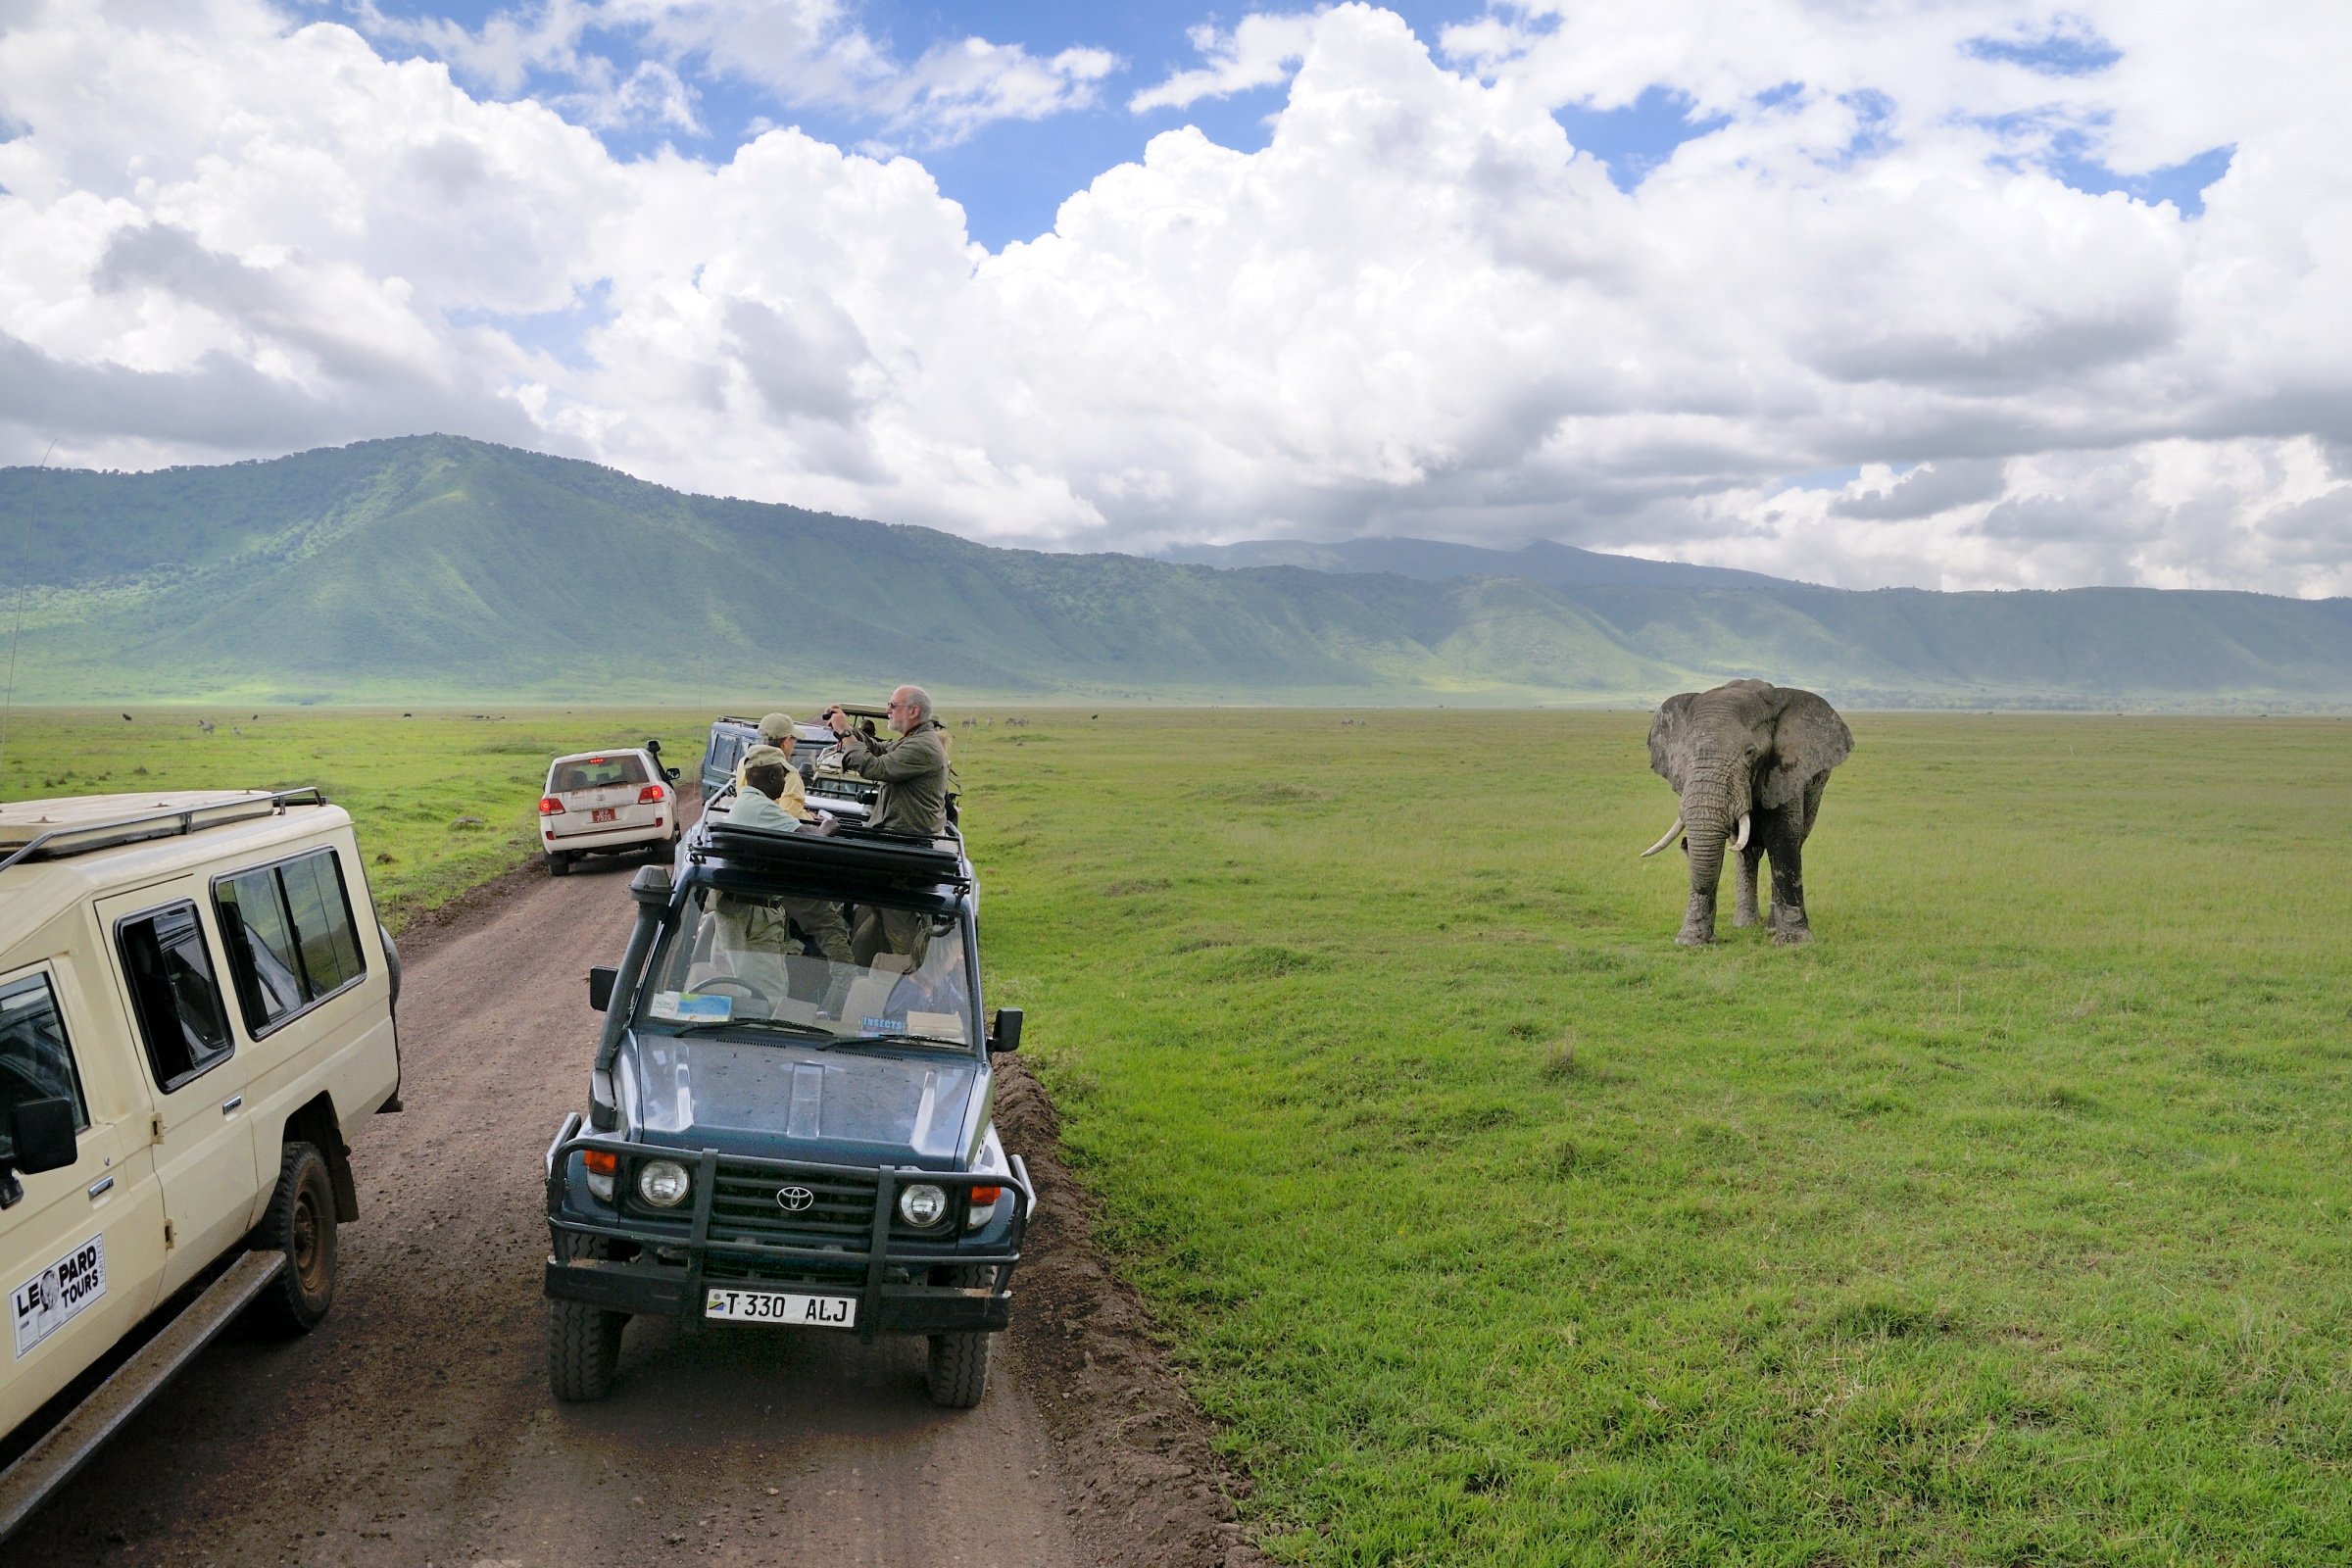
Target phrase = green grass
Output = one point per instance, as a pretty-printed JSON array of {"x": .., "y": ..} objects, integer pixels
[
  {"x": 442, "y": 802},
  {"x": 2007, "y": 1224}
]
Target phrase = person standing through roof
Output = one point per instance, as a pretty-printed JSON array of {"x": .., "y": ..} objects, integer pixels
[
  {"x": 759, "y": 806},
  {"x": 913, "y": 769},
  {"x": 776, "y": 731},
  {"x": 913, "y": 772}
]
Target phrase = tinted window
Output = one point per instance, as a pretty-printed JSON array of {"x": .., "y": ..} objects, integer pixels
[
  {"x": 35, "y": 1061},
  {"x": 173, "y": 994},
  {"x": 290, "y": 935},
  {"x": 595, "y": 774}
]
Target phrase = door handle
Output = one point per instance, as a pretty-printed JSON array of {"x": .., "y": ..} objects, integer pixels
[
  {"x": 101, "y": 1186},
  {"x": 229, "y": 1107}
]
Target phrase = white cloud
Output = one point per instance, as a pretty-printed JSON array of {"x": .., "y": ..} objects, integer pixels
[
  {"x": 1258, "y": 51},
  {"x": 804, "y": 53},
  {"x": 1418, "y": 309}
]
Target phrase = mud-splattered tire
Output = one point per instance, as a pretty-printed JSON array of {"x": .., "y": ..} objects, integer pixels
[
  {"x": 300, "y": 1224},
  {"x": 583, "y": 1342},
  {"x": 958, "y": 1370}
]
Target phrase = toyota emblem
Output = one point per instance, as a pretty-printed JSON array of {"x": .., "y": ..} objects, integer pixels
[{"x": 794, "y": 1198}]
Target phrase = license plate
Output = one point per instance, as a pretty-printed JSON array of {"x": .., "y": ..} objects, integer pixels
[
  {"x": 776, "y": 1306},
  {"x": 603, "y": 813}
]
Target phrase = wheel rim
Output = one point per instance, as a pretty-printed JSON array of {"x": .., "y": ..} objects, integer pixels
[{"x": 310, "y": 1252}]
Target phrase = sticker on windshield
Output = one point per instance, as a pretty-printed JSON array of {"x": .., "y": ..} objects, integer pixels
[
  {"x": 56, "y": 1295},
  {"x": 691, "y": 1006},
  {"x": 883, "y": 1026}
]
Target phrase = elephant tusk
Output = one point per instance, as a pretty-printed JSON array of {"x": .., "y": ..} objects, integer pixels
[
  {"x": 1671, "y": 834},
  {"x": 1741, "y": 843}
]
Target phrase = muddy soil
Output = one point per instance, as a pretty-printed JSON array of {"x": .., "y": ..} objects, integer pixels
[{"x": 415, "y": 1426}]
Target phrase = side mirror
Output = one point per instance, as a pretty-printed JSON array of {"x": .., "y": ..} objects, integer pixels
[
  {"x": 1004, "y": 1033},
  {"x": 671, "y": 774},
  {"x": 600, "y": 986},
  {"x": 42, "y": 1131}
]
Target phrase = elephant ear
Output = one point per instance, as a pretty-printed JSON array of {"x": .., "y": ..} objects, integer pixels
[
  {"x": 1809, "y": 740},
  {"x": 1666, "y": 737}
]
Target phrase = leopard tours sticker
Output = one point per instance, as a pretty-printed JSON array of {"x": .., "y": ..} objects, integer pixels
[{"x": 56, "y": 1295}]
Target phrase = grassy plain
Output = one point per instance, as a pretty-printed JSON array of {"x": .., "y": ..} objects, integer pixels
[
  {"x": 2006, "y": 1224},
  {"x": 443, "y": 801}
]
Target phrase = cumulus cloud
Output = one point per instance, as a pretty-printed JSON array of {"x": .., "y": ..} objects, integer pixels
[
  {"x": 1258, "y": 51},
  {"x": 804, "y": 53},
  {"x": 1422, "y": 307}
]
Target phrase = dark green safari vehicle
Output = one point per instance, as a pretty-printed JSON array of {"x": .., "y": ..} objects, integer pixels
[{"x": 777, "y": 1140}]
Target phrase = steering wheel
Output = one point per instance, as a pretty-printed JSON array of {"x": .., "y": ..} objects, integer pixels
[{"x": 737, "y": 982}]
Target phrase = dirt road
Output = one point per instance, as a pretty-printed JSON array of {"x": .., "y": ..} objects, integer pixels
[{"x": 414, "y": 1425}]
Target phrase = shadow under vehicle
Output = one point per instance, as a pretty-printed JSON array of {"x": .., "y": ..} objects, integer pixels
[{"x": 788, "y": 1120}]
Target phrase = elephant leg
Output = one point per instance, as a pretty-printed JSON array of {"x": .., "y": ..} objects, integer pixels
[
  {"x": 1745, "y": 914},
  {"x": 1789, "y": 926},
  {"x": 1699, "y": 920}
]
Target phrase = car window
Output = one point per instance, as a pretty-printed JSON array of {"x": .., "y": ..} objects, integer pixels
[
  {"x": 290, "y": 936},
  {"x": 173, "y": 994},
  {"x": 36, "y": 1062},
  {"x": 595, "y": 772},
  {"x": 891, "y": 972}
]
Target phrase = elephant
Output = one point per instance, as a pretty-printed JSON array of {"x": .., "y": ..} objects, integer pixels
[{"x": 1750, "y": 761}]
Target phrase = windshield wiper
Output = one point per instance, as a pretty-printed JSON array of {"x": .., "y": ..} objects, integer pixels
[
  {"x": 804, "y": 1030},
  {"x": 895, "y": 1038}
]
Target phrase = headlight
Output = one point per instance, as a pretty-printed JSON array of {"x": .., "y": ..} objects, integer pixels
[
  {"x": 924, "y": 1206},
  {"x": 664, "y": 1183}
]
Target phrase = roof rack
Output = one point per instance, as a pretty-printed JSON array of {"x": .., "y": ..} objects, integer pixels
[
  {"x": 83, "y": 838},
  {"x": 847, "y": 853}
]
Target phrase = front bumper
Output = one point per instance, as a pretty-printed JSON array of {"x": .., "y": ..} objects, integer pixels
[{"x": 672, "y": 1273}]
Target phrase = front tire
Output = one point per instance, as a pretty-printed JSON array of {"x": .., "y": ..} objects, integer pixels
[
  {"x": 300, "y": 1224},
  {"x": 957, "y": 1372},
  {"x": 583, "y": 1342}
]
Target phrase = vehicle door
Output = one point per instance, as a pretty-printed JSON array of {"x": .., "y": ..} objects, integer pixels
[
  {"x": 83, "y": 1250},
  {"x": 202, "y": 1130},
  {"x": 296, "y": 971},
  {"x": 604, "y": 794}
]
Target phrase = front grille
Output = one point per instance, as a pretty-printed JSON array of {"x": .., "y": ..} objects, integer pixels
[{"x": 745, "y": 1206}]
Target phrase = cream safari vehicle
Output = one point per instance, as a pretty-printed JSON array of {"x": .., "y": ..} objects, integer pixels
[{"x": 195, "y": 1011}]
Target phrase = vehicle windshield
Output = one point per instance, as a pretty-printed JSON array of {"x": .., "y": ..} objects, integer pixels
[
  {"x": 810, "y": 968},
  {"x": 595, "y": 772}
]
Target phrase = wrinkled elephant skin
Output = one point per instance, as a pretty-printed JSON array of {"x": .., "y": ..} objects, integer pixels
[{"x": 1748, "y": 748}]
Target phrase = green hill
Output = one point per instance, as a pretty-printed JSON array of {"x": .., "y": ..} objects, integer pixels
[{"x": 437, "y": 568}]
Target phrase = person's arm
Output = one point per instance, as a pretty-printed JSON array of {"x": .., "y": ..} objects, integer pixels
[{"x": 909, "y": 757}]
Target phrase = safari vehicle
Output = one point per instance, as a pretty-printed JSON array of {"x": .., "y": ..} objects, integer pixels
[
  {"x": 778, "y": 1138},
  {"x": 195, "y": 1007},
  {"x": 607, "y": 802},
  {"x": 731, "y": 737}
]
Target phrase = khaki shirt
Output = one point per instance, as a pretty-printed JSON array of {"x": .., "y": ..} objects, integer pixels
[
  {"x": 794, "y": 799},
  {"x": 913, "y": 772}
]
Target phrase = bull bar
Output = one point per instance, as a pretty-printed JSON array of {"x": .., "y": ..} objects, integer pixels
[{"x": 643, "y": 1287}]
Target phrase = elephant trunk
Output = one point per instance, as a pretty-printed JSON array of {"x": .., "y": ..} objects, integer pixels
[{"x": 1715, "y": 806}]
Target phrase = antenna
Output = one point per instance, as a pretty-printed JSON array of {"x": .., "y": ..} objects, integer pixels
[{"x": 33, "y": 512}]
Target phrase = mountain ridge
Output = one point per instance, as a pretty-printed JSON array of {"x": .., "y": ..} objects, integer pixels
[{"x": 437, "y": 566}]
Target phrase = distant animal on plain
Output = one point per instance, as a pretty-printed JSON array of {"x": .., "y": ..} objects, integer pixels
[
  {"x": 1750, "y": 761},
  {"x": 126, "y": 718},
  {"x": 206, "y": 725}
]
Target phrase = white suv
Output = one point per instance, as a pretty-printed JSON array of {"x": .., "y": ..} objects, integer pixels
[
  {"x": 607, "y": 801},
  {"x": 195, "y": 1014}
]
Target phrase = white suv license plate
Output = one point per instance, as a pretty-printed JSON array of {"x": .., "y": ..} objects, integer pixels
[{"x": 775, "y": 1306}]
